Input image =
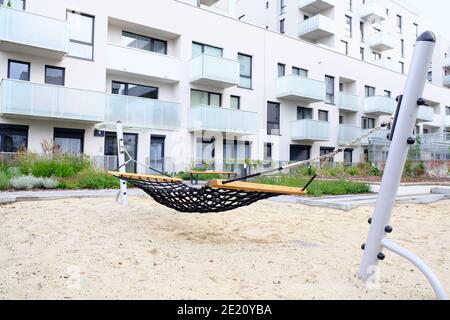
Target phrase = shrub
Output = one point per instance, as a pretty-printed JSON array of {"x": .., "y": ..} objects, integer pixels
[
  {"x": 374, "y": 172},
  {"x": 352, "y": 171},
  {"x": 25, "y": 182},
  {"x": 48, "y": 183},
  {"x": 95, "y": 179},
  {"x": 4, "y": 181}
]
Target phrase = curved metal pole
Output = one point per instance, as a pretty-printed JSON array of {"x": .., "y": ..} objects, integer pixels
[{"x": 415, "y": 260}]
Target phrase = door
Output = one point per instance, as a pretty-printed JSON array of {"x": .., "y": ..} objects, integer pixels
[
  {"x": 299, "y": 152},
  {"x": 130, "y": 141},
  {"x": 157, "y": 152}
]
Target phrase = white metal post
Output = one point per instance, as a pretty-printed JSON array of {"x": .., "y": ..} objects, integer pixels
[
  {"x": 121, "y": 161},
  {"x": 398, "y": 151}
]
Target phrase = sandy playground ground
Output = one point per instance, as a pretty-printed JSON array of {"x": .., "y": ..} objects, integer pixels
[{"x": 94, "y": 248}]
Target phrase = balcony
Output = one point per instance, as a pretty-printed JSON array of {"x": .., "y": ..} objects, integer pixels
[
  {"x": 310, "y": 130},
  {"x": 381, "y": 41},
  {"x": 300, "y": 89},
  {"x": 446, "y": 63},
  {"x": 218, "y": 119},
  {"x": 142, "y": 112},
  {"x": 387, "y": 64},
  {"x": 316, "y": 6},
  {"x": 348, "y": 133},
  {"x": 446, "y": 81},
  {"x": 372, "y": 12},
  {"x": 214, "y": 71},
  {"x": 32, "y": 34},
  {"x": 349, "y": 102},
  {"x": 425, "y": 114},
  {"x": 125, "y": 61},
  {"x": 380, "y": 135},
  {"x": 379, "y": 105},
  {"x": 32, "y": 100},
  {"x": 316, "y": 28}
]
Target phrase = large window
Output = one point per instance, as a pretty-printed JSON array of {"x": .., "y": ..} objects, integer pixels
[
  {"x": 135, "y": 90},
  {"x": 369, "y": 91},
  {"x": 348, "y": 26},
  {"x": 304, "y": 113},
  {"x": 329, "y": 91},
  {"x": 16, "y": 4},
  {"x": 18, "y": 70},
  {"x": 326, "y": 150},
  {"x": 137, "y": 41},
  {"x": 69, "y": 140},
  {"x": 245, "y": 80},
  {"x": 367, "y": 123},
  {"x": 273, "y": 118},
  {"x": 348, "y": 156},
  {"x": 55, "y": 75},
  {"x": 81, "y": 33},
  {"x": 130, "y": 141},
  {"x": 199, "y": 48},
  {"x": 13, "y": 138},
  {"x": 205, "y": 98}
]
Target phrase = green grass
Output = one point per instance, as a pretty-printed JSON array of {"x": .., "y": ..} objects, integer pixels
[
  {"x": 319, "y": 187},
  {"x": 4, "y": 181},
  {"x": 89, "y": 179}
]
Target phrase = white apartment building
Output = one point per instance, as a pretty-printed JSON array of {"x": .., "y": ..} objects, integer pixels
[{"x": 190, "y": 85}]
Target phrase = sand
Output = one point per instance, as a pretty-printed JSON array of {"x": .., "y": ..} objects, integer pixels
[{"x": 96, "y": 249}]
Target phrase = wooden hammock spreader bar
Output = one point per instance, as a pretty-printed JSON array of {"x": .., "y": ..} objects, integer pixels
[
  {"x": 144, "y": 177},
  {"x": 256, "y": 187}
]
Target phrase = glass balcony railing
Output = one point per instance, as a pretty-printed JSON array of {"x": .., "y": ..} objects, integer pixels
[
  {"x": 425, "y": 114},
  {"x": 316, "y": 28},
  {"x": 380, "y": 135},
  {"x": 379, "y": 105},
  {"x": 311, "y": 130},
  {"x": 349, "y": 102},
  {"x": 447, "y": 121},
  {"x": 381, "y": 41},
  {"x": 20, "y": 30},
  {"x": 348, "y": 133},
  {"x": 446, "y": 81},
  {"x": 218, "y": 119},
  {"x": 214, "y": 71},
  {"x": 446, "y": 63},
  {"x": 142, "y": 112},
  {"x": 316, "y": 6},
  {"x": 23, "y": 98},
  {"x": 301, "y": 89}
]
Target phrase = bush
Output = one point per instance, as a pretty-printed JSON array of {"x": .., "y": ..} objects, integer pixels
[
  {"x": 352, "y": 171},
  {"x": 25, "y": 182},
  {"x": 48, "y": 183},
  {"x": 4, "y": 181},
  {"x": 95, "y": 179},
  {"x": 374, "y": 172}
]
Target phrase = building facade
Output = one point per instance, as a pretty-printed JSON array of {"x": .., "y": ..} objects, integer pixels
[{"x": 192, "y": 85}]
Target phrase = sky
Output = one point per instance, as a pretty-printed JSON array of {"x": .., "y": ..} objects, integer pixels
[{"x": 435, "y": 15}]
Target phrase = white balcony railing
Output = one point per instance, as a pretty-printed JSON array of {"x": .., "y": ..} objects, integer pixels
[
  {"x": 349, "y": 102},
  {"x": 218, "y": 119},
  {"x": 151, "y": 65},
  {"x": 379, "y": 105},
  {"x": 301, "y": 89},
  {"x": 22, "y": 98},
  {"x": 25, "y": 32},
  {"x": 316, "y": 28},
  {"x": 425, "y": 114},
  {"x": 316, "y": 6},
  {"x": 373, "y": 11},
  {"x": 381, "y": 41},
  {"x": 311, "y": 130},
  {"x": 215, "y": 71}
]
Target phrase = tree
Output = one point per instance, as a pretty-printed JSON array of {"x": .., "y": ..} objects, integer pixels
[{"x": 9, "y": 4}]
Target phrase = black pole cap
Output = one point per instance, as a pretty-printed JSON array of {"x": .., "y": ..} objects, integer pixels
[{"x": 427, "y": 36}]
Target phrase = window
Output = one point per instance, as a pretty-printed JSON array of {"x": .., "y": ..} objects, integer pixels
[
  {"x": 348, "y": 156},
  {"x": 282, "y": 6},
  {"x": 376, "y": 56},
  {"x": 416, "y": 29},
  {"x": 447, "y": 111},
  {"x": 137, "y": 41},
  {"x": 387, "y": 93},
  {"x": 348, "y": 26},
  {"x": 16, "y": 4},
  {"x": 206, "y": 152},
  {"x": 267, "y": 4},
  {"x": 350, "y": 5},
  {"x": 304, "y": 113},
  {"x": 282, "y": 25},
  {"x": 341, "y": 120},
  {"x": 199, "y": 48},
  {"x": 367, "y": 123},
  {"x": 370, "y": 91},
  {"x": 19, "y": 70},
  {"x": 425, "y": 131},
  {"x": 300, "y": 72},
  {"x": 13, "y": 138},
  {"x": 130, "y": 141},
  {"x": 323, "y": 115},
  {"x": 268, "y": 151},
  {"x": 235, "y": 102},
  {"x": 81, "y": 33},
  {"x": 326, "y": 150},
  {"x": 135, "y": 90},
  {"x": 55, "y": 75},
  {"x": 344, "y": 47},
  {"x": 402, "y": 66},
  {"x": 69, "y": 140},
  {"x": 430, "y": 76},
  {"x": 329, "y": 90},
  {"x": 236, "y": 150},
  {"x": 399, "y": 23},
  {"x": 402, "y": 48},
  {"x": 246, "y": 70},
  {"x": 205, "y": 98},
  {"x": 361, "y": 31},
  {"x": 273, "y": 118},
  {"x": 361, "y": 53},
  {"x": 281, "y": 70}
]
